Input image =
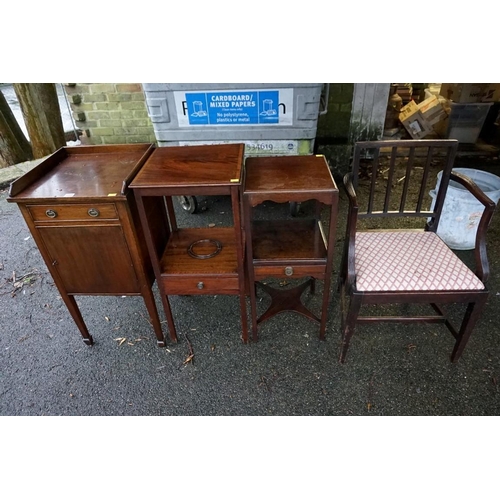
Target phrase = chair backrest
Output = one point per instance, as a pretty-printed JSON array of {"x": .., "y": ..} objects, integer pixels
[{"x": 400, "y": 174}]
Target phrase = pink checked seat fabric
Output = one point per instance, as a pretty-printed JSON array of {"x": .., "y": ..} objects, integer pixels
[{"x": 409, "y": 261}]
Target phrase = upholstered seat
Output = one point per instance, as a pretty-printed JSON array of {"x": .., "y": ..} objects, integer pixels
[{"x": 408, "y": 261}]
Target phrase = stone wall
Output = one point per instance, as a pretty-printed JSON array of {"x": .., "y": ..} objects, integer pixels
[{"x": 110, "y": 113}]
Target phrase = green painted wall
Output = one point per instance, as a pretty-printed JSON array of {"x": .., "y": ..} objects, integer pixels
[
  {"x": 332, "y": 135},
  {"x": 334, "y": 126}
]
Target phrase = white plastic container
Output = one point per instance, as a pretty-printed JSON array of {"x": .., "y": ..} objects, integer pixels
[
  {"x": 466, "y": 121},
  {"x": 461, "y": 210}
]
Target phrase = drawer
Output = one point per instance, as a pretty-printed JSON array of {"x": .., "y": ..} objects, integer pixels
[
  {"x": 293, "y": 271},
  {"x": 56, "y": 212},
  {"x": 201, "y": 285}
]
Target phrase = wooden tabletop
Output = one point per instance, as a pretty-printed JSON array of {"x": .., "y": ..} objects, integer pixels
[
  {"x": 82, "y": 172},
  {"x": 288, "y": 173},
  {"x": 191, "y": 166}
]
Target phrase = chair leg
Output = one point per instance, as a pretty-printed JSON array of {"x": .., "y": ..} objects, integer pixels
[
  {"x": 350, "y": 323},
  {"x": 471, "y": 316},
  {"x": 342, "y": 272}
]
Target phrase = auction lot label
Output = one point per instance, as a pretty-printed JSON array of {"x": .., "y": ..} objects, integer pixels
[{"x": 257, "y": 148}]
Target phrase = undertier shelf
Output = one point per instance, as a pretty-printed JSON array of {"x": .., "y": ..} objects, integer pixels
[
  {"x": 177, "y": 261},
  {"x": 288, "y": 241}
]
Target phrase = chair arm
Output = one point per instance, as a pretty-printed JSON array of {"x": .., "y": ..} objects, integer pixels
[
  {"x": 350, "y": 238},
  {"x": 482, "y": 265},
  {"x": 351, "y": 192}
]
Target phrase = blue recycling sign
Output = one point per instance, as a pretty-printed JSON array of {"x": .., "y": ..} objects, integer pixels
[{"x": 238, "y": 107}]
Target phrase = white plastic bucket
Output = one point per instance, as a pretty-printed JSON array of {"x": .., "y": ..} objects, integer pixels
[{"x": 461, "y": 210}]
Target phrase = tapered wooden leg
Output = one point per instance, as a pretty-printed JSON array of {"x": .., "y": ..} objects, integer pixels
[
  {"x": 471, "y": 316},
  {"x": 253, "y": 314},
  {"x": 350, "y": 323},
  {"x": 252, "y": 287},
  {"x": 74, "y": 310},
  {"x": 240, "y": 254},
  {"x": 329, "y": 265},
  {"x": 343, "y": 270},
  {"x": 324, "y": 307},
  {"x": 149, "y": 301},
  {"x": 155, "y": 258},
  {"x": 170, "y": 319},
  {"x": 253, "y": 311},
  {"x": 244, "y": 321}
]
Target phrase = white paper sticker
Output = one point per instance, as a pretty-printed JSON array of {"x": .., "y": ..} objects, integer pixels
[
  {"x": 280, "y": 147},
  {"x": 415, "y": 126}
]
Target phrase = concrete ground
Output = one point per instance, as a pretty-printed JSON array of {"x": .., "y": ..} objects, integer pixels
[{"x": 46, "y": 369}]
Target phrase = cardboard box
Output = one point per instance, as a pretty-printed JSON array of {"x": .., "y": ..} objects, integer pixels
[
  {"x": 432, "y": 110},
  {"x": 414, "y": 122},
  {"x": 441, "y": 128},
  {"x": 463, "y": 92},
  {"x": 491, "y": 93}
]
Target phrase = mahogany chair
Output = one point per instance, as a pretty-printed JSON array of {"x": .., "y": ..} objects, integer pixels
[{"x": 403, "y": 264}]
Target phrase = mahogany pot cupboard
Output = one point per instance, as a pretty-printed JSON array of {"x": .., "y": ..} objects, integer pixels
[{"x": 84, "y": 220}]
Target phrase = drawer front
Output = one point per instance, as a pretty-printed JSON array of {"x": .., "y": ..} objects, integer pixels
[
  {"x": 56, "y": 212},
  {"x": 200, "y": 285},
  {"x": 291, "y": 272}
]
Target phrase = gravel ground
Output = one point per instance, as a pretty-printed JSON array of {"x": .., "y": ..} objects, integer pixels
[{"x": 390, "y": 370}]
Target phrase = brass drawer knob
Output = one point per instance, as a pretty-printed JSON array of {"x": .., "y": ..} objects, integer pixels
[
  {"x": 93, "y": 212},
  {"x": 200, "y": 285},
  {"x": 51, "y": 213},
  {"x": 288, "y": 271}
]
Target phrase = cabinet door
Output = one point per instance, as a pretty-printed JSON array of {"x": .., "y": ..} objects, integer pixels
[{"x": 91, "y": 259}]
